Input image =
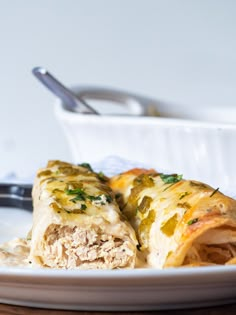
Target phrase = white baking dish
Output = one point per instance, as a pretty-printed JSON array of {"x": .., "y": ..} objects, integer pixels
[{"x": 199, "y": 150}]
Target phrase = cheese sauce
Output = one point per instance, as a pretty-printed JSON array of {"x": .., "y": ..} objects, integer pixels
[{"x": 15, "y": 253}]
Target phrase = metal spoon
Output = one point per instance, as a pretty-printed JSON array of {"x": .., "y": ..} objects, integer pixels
[{"x": 71, "y": 101}]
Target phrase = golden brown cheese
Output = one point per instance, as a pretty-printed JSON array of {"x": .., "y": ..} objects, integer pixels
[
  {"x": 77, "y": 222},
  {"x": 177, "y": 222}
]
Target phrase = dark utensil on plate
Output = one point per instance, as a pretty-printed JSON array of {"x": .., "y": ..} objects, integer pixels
[{"x": 16, "y": 195}]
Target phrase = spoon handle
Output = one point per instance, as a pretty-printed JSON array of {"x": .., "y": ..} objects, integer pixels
[{"x": 72, "y": 102}]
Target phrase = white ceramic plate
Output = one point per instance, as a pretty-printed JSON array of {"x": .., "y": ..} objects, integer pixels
[{"x": 114, "y": 290}]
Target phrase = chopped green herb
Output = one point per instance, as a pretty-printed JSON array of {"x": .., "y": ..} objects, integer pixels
[
  {"x": 184, "y": 194},
  {"x": 92, "y": 198},
  {"x": 80, "y": 194},
  {"x": 215, "y": 191},
  {"x": 77, "y": 198},
  {"x": 108, "y": 198},
  {"x": 86, "y": 165},
  {"x": 74, "y": 191},
  {"x": 190, "y": 222},
  {"x": 83, "y": 207},
  {"x": 102, "y": 177},
  {"x": 168, "y": 187},
  {"x": 171, "y": 178}
]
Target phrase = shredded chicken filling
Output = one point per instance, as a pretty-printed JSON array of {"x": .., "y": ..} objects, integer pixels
[
  {"x": 73, "y": 247},
  {"x": 216, "y": 246},
  {"x": 218, "y": 254}
]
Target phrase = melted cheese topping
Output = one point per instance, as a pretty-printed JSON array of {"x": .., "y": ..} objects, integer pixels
[
  {"x": 169, "y": 214},
  {"x": 72, "y": 189}
]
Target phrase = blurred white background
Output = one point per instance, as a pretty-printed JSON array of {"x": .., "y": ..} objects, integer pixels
[{"x": 180, "y": 51}]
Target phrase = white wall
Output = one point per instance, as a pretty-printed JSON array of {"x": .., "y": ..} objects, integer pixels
[{"x": 181, "y": 51}]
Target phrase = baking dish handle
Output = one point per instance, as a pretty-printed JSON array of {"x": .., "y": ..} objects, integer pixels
[{"x": 138, "y": 105}]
